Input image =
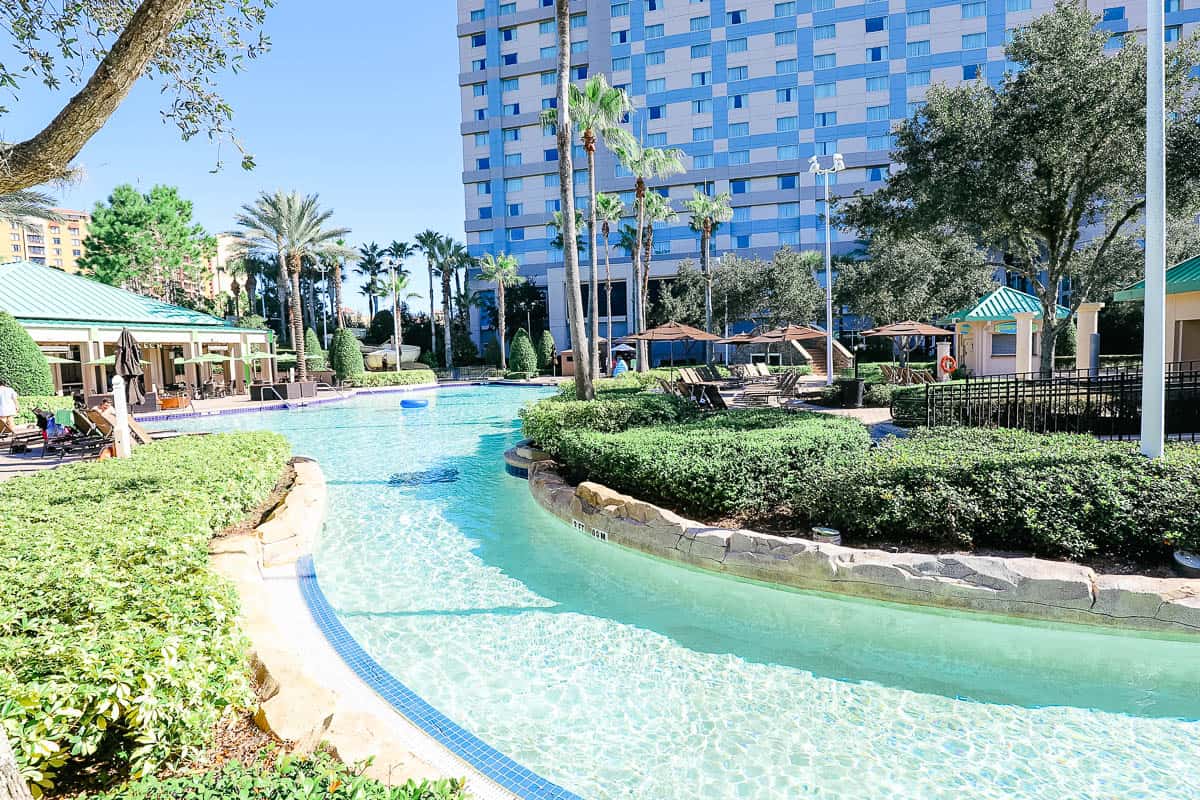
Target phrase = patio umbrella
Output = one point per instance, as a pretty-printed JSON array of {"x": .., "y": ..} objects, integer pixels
[
  {"x": 128, "y": 363},
  {"x": 108, "y": 361},
  {"x": 788, "y": 333},
  {"x": 675, "y": 332},
  {"x": 905, "y": 332},
  {"x": 59, "y": 360}
]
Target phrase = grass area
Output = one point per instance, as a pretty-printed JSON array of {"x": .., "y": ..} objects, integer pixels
[{"x": 117, "y": 645}]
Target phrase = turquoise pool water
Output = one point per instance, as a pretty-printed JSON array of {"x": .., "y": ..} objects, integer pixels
[{"x": 618, "y": 676}]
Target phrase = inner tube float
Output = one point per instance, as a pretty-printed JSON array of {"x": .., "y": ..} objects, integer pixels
[{"x": 412, "y": 402}]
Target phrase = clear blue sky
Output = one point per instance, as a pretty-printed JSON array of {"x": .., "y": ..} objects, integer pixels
[{"x": 357, "y": 101}]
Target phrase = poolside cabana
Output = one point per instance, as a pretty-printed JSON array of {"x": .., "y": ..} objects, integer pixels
[
  {"x": 76, "y": 319},
  {"x": 1183, "y": 309},
  {"x": 1001, "y": 334}
]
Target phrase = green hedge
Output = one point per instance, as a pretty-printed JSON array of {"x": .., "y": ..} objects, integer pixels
[
  {"x": 50, "y": 402},
  {"x": 1062, "y": 495},
  {"x": 345, "y": 356},
  {"x": 749, "y": 464},
  {"x": 114, "y": 635},
  {"x": 406, "y": 377},
  {"x": 521, "y": 355},
  {"x": 547, "y": 421},
  {"x": 22, "y": 364},
  {"x": 318, "y": 777}
]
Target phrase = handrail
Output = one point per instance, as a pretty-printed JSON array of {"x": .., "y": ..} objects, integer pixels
[{"x": 331, "y": 388}]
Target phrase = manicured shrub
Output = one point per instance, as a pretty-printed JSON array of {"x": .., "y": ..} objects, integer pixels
[
  {"x": 345, "y": 356},
  {"x": 1061, "y": 495},
  {"x": 520, "y": 376},
  {"x": 428, "y": 359},
  {"x": 547, "y": 421},
  {"x": 314, "y": 354},
  {"x": 22, "y": 364},
  {"x": 406, "y": 377},
  {"x": 316, "y": 777},
  {"x": 521, "y": 355},
  {"x": 748, "y": 464},
  {"x": 52, "y": 402},
  {"x": 115, "y": 637},
  {"x": 546, "y": 351}
]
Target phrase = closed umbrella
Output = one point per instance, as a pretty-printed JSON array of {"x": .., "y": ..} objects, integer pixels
[{"x": 128, "y": 364}]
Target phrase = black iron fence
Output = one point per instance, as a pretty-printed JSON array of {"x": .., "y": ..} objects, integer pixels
[{"x": 1105, "y": 403}]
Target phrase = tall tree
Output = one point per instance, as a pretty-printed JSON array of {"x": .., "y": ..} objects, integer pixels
[
  {"x": 148, "y": 243},
  {"x": 333, "y": 259},
  {"x": 1055, "y": 150},
  {"x": 707, "y": 214},
  {"x": 399, "y": 252},
  {"x": 428, "y": 242},
  {"x": 399, "y": 287},
  {"x": 584, "y": 388},
  {"x": 502, "y": 271},
  {"x": 182, "y": 43},
  {"x": 450, "y": 255},
  {"x": 597, "y": 111},
  {"x": 609, "y": 211},
  {"x": 556, "y": 222},
  {"x": 370, "y": 266},
  {"x": 263, "y": 227},
  {"x": 646, "y": 163},
  {"x": 656, "y": 210}
]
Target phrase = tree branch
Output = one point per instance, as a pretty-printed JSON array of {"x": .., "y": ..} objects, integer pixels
[{"x": 47, "y": 155}]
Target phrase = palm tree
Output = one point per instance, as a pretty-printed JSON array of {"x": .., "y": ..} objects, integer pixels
[
  {"x": 596, "y": 111},
  {"x": 707, "y": 215},
  {"x": 308, "y": 234},
  {"x": 428, "y": 242},
  {"x": 264, "y": 228},
  {"x": 370, "y": 266},
  {"x": 398, "y": 253},
  {"x": 451, "y": 255},
  {"x": 236, "y": 268},
  {"x": 609, "y": 210},
  {"x": 398, "y": 287},
  {"x": 502, "y": 271},
  {"x": 257, "y": 269},
  {"x": 584, "y": 388},
  {"x": 656, "y": 209},
  {"x": 333, "y": 260},
  {"x": 557, "y": 223},
  {"x": 16, "y": 206},
  {"x": 646, "y": 163}
]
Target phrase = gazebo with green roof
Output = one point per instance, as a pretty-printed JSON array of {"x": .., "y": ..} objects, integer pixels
[
  {"x": 79, "y": 319},
  {"x": 999, "y": 334},
  {"x": 1183, "y": 309}
]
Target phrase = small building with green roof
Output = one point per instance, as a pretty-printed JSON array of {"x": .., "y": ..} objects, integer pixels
[
  {"x": 1000, "y": 334},
  {"x": 77, "y": 320},
  {"x": 1183, "y": 308}
]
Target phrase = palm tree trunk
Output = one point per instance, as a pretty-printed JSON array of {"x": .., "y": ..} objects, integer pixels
[
  {"x": 639, "y": 320},
  {"x": 12, "y": 785},
  {"x": 297, "y": 321},
  {"x": 337, "y": 295},
  {"x": 446, "y": 322},
  {"x": 432, "y": 324},
  {"x": 589, "y": 144},
  {"x": 604, "y": 231},
  {"x": 584, "y": 390},
  {"x": 705, "y": 266},
  {"x": 500, "y": 303},
  {"x": 281, "y": 294},
  {"x": 460, "y": 298}
]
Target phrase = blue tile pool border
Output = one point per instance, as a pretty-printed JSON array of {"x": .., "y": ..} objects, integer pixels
[{"x": 487, "y": 760}]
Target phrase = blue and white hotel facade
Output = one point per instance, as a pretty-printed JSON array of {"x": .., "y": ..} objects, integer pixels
[{"x": 749, "y": 90}]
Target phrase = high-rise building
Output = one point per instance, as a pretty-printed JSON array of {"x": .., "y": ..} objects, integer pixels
[
  {"x": 55, "y": 243},
  {"x": 749, "y": 90}
]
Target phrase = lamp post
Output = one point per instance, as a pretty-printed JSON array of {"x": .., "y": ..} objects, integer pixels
[
  {"x": 395, "y": 312},
  {"x": 814, "y": 169},
  {"x": 323, "y": 268},
  {"x": 1155, "y": 342}
]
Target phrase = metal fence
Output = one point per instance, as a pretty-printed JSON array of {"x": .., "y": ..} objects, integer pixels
[{"x": 1105, "y": 403}]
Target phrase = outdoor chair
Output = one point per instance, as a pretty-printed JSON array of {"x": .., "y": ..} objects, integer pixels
[{"x": 888, "y": 373}]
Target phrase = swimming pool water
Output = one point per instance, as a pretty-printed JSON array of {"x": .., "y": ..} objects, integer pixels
[{"x": 619, "y": 676}]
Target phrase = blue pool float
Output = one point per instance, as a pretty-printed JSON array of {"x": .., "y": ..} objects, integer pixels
[{"x": 413, "y": 403}]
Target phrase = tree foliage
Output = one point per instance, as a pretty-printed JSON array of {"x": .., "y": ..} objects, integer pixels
[
  {"x": 345, "y": 356},
  {"x": 521, "y": 355},
  {"x": 546, "y": 351},
  {"x": 105, "y": 46},
  {"x": 148, "y": 243},
  {"x": 1056, "y": 150},
  {"x": 314, "y": 353},
  {"x": 22, "y": 364}
]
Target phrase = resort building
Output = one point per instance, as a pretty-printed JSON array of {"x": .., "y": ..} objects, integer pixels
[
  {"x": 1183, "y": 310},
  {"x": 77, "y": 321},
  {"x": 55, "y": 243},
  {"x": 749, "y": 90}
]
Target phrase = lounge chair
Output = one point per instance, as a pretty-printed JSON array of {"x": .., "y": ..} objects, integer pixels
[{"x": 712, "y": 398}]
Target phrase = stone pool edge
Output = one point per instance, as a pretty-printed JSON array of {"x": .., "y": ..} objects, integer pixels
[
  {"x": 1029, "y": 588},
  {"x": 311, "y": 691}
]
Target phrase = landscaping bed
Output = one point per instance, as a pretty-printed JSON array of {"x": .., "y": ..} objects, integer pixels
[
  {"x": 119, "y": 649},
  {"x": 406, "y": 377}
]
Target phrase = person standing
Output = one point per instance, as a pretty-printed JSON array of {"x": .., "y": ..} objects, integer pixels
[{"x": 9, "y": 407}]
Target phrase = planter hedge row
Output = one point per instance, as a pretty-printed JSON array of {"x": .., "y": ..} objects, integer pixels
[
  {"x": 115, "y": 638},
  {"x": 406, "y": 377}
]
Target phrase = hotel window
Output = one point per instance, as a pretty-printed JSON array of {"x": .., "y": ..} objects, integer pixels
[
  {"x": 579, "y": 73},
  {"x": 785, "y": 38},
  {"x": 879, "y": 142},
  {"x": 971, "y": 72},
  {"x": 482, "y": 139},
  {"x": 738, "y": 186},
  {"x": 737, "y": 45},
  {"x": 1115, "y": 42},
  {"x": 825, "y": 119},
  {"x": 1170, "y": 6},
  {"x": 915, "y": 18},
  {"x": 875, "y": 24},
  {"x": 787, "y": 210},
  {"x": 655, "y": 31},
  {"x": 508, "y": 8},
  {"x": 787, "y": 152},
  {"x": 739, "y": 157},
  {"x": 657, "y": 112},
  {"x": 579, "y": 21},
  {"x": 515, "y": 209},
  {"x": 512, "y": 160},
  {"x": 703, "y": 162},
  {"x": 701, "y": 79},
  {"x": 702, "y": 106},
  {"x": 1112, "y": 14},
  {"x": 735, "y": 17},
  {"x": 699, "y": 24},
  {"x": 825, "y": 90},
  {"x": 737, "y": 129},
  {"x": 877, "y": 173},
  {"x": 656, "y": 57},
  {"x": 974, "y": 41},
  {"x": 620, "y": 64},
  {"x": 511, "y": 134},
  {"x": 825, "y": 61},
  {"x": 547, "y": 26},
  {"x": 656, "y": 85},
  {"x": 548, "y": 78},
  {"x": 480, "y": 114},
  {"x": 479, "y": 89},
  {"x": 785, "y": 95},
  {"x": 548, "y": 52},
  {"x": 509, "y": 59},
  {"x": 785, "y": 67},
  {"x": 917, "y": 49},
  {"x": 879, "y": 53},
  {"x": 826, "y": 148},
  {"x": 549, "y": 103},
  {"x": 578, "y": 47},
  {"x": 656, "y": 140},
  {"x": 479, "y": 40},
  {"x": 785, "y": 9},
  {"x": 620, "y": 9},
  {"x": 1171, "y": 33},
  {"x": 478, "y": 14},
  {"x": 822, "y": 5},
  {"x": 739, "y": 101},
  {"x": 553, "y": 205},
  {"x": 620, "y": 37},
  {"x": 974, "y": 10},
  {"x": 790, "y": 238},
  {"x": 704, "y": 134},
  {"x": 741, "y": 242},
  {"x": 483, "y": 163},
  {"x": 787, "y": 124},
  {"x": 824, "y": 32},
  {"x": 741, "y": 214},
  {"x": 701, "y": 51},
  {"x": 508, "y": 34},
  {"x": 551, "y": 181},
  {"x": 485, "y": 212},
  {"x": 912, "y": 108},
  {"x": 479, "y": 64},
  {"x": 550, "y": 154},
  {"x": 877, "y": 113},
  {"x": 737, "y": 74},
  {"x": 920, "y": 78},
  {"x": 653, "y": 5},
  {"x": 516, "y": 234},
  {"x": 510, "y": 84}
]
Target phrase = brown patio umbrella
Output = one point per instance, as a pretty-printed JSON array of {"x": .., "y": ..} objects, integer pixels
[
  {"x": 908, "y": 328},
  {"x": 788, "y": 333},
  {"x": 675, "y": 332},
  {"x": 128, "y": 364},
  {"x": 738, "y": 339}
]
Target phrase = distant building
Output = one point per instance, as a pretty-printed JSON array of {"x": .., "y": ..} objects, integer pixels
[{"x": 54, "y": 243}]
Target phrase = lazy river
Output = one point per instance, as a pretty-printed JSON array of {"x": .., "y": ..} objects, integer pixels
[{"x": 619, "y": 676}]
